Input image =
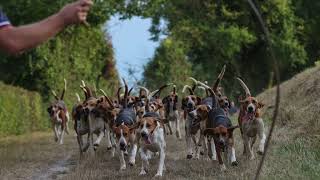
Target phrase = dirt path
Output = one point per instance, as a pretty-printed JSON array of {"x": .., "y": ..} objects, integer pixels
[{"x": 36, "y": 156}]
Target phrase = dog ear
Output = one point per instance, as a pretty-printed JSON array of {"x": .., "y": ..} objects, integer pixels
[
  {"x": 210, "y": 131},
  {"x": 232, "y": 128},
  {"x": 114, "y": 128},
  {"x": 165, "y": 100},
  {"x": 199, "y": 100},
  {"x": 134, "y": 126},
  {"x": 260, "y": 105},
  {"x": 184, "y": 103}
]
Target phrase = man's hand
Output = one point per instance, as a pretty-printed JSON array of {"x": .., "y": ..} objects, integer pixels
[{"x": 76, "y": 12}]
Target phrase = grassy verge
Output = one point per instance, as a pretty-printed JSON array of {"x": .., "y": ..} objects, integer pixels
[{"x": 21, "y": 111}]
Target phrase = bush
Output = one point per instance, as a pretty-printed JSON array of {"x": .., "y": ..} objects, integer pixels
[{"x": 21, "y": 111}]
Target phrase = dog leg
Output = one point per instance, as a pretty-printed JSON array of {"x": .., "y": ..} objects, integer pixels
[
  {"x": 161, "y": 162},
  {"x": 145, "y": 162},
  {"x": 97, "y": 142},
  {"x": 250, "y": 148},
  {"x": 178, "y": 133},
  {"x": 109, "y": 145},
  {"x": 55, "y": 131},
  {"x": 132, "y": 159},
  {"x": 188, "y": 140},
  {"x": 122, "y": 161},
  {"x": 232, "y": 156},
  {"x": 67, "y": 122},
  {"x": 205, "y": 149},
  {"x": 213, "y": 150},
  {"x": 170, "y": 127},
  {"x": 222, "y": 166},
  {"x": 199, "y": 145},
  {"x": 262, "y": 137},
  {"x": 61, "y": 136}
]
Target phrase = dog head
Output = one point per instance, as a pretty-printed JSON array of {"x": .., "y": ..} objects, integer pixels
[
  {"x": 190, "y": 102},
  {"x": 201, "y": 112},
  {"x": 222, "y": 135},
  {"x": 147, "y": 126},
  {"x": 251, "y": 105},
  {"x": 123, "y": 133},
  {"x": 140, "y": 107},
  {"x": 224, "y": 102}
]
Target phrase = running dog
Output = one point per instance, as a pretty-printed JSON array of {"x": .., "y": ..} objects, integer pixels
[
  {"x": 59, "y": 115},
  {"x": 125, "y": 131},
  {"x": 251, "y": 123},
  {"x": 171, "y": 111},
  {"x": 152, "y": 140}
]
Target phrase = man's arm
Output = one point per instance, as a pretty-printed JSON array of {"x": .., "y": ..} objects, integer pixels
[{"x": 17, "y": 39}]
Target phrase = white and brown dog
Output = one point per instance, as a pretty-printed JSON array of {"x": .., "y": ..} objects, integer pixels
[
  {"x": 215, "y": 125},
  {"x": 251, "y": 123},
  {"x": 152, "y": 140},
  {"x": 125, "y": 131},
  {"x": 170, "y": 103},
  {"x": 59, "y": 116},
  {"x": 189, "y": 103},
  {"x": 88, "y": 120}
]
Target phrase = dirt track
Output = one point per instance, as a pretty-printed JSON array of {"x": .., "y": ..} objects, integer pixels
[{"x": 38, "y": 157}]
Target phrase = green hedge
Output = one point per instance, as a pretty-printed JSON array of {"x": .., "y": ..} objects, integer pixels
[{"x": 21, "y": 111}]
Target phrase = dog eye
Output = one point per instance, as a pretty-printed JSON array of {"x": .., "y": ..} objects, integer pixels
[
  {"x": 148, "y": 125},
  {"x": 254, "y": 101},
  {"x": 125, "y": 134},
  {"x": 223, "y": 134}
]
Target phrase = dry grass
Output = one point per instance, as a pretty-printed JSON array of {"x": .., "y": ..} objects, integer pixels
[{"x": 294, "y": 152}]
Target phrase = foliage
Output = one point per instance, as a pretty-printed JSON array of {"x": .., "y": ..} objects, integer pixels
[
  {"x": 21, "y": 111},
  {"x": 78, "y": 53},
  {"x": 169, "y": 65},
  {"x": 227, "y": 32}
]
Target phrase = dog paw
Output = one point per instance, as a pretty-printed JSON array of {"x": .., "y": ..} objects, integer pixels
[
  {"x": 201, "y": 153},
  {"x": 109, "y": 148},
  {"x": 207, "y": 159},
  {"x": 55, "y": 139},
  {"x": 142, "y": 172},
  {"x": 189, "y": 156},
  {"x": 132, "y": 162},
  {"x": 95, "y": 147},
  {"x": 223, "y": 168},
  {"x": 260, "y": 152},
  {"x": 251, "y": 157},
  {"x": 234, "y": 163},
  {"x": 122, "y": 167},
  {"x": 158, "y": 174}
]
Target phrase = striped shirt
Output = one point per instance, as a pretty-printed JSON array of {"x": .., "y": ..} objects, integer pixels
[{"x": 3, "y": 19}]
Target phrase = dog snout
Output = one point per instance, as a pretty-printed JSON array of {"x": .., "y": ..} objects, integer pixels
[
  {"x": 189, "y": 105},
  {"x": 143, "y": 134},
  {"x": 221, "y": 143},
  {"x": 122, "y": 146},
  {"x": 250, "y": 109},
  {"x": 226, "y": 103}
]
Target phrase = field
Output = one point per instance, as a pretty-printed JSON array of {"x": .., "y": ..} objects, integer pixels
[{"x": 294, "y": 152}]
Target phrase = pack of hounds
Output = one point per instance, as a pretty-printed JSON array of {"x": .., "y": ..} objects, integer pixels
[{"x": 140, "y": 124}]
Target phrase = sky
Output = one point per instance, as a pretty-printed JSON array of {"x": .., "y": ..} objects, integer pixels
[{"x": 132, "y": 47}]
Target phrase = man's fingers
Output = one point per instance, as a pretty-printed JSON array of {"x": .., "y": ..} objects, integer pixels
[
  {"x": 86, "y": 2},
  {"x": 85, "y": 9}
]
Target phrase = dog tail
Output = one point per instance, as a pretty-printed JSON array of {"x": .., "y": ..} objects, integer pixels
[
  {"x": 64, "y": 90},
  {"x": 244, "y": 86},
  {"x": 78, "y": 98},
  {"x": 216, "y": 84},
  {"x": 54, "y": 95},
  {"x": 143, "y": 89},
  {"x": 107, "y": 98},
  {"x": 125, "y": 93},
  {"x": 191, "y": 91}
]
